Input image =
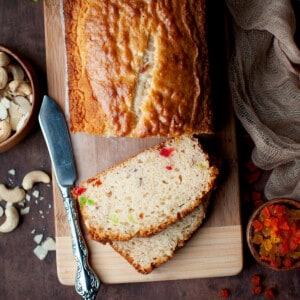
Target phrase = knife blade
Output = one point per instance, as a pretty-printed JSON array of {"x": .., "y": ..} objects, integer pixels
[{"x": 56, "y": 135}]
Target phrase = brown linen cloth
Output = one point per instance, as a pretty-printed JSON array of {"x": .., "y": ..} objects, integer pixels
[{"x": 264, "y": 82}]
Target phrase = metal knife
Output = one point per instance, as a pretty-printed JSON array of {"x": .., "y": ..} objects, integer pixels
[{"x": 55, "y": 131}]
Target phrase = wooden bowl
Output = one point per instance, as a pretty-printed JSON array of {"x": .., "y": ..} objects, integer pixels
[
  {"x": 250, "y": 233},
  {"x": 30, "y": 76}
]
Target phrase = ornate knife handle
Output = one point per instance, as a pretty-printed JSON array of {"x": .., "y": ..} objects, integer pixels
[{"x": 86, "y": 282}]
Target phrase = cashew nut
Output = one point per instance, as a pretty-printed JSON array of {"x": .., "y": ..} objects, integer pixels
[
  {"x": 11, "y": 195},
  {"x": 33, "y": 177},
  {"x": 16, "y": 71},
  {"x": 5, "y": 130},
  {"x": 12, "y": 220},
  {"x": 5, "y": 102},
  {"x": 24, "y": 105},
  {"x": 22, "y": 121},
  {"x": 4, "y": 59},
  {"x": 3, "y": 78},
  {"x": 30, "y": 98},
  {"x": 4, "y": 92},
  {"x": 3, "y": 111},
  {"x": 15, "y": 115},
  {"x": 20, "y": 88}
]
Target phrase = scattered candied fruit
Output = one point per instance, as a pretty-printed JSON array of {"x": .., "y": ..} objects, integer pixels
[
  {"x": 224, "y": 293},
  {"x": 269, "y": 294},
  {"x": 256, "y": 279},
  {"x": 251, "y": 166},
  {"x": 253, "y": 177},
  {"x": 256, "y": 290},
  {"x": 257, "y": 199},
  {"x": 256, "y": 196}
]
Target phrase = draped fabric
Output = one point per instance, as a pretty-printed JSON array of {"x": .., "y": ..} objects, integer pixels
[{"x": 264, "y": 81}]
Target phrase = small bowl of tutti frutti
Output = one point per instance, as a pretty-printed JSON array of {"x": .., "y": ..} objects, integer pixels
[{"x": 273, "y": 234}]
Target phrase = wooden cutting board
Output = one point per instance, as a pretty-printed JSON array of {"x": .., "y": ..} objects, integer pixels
[{"x": 215, "y": 250}]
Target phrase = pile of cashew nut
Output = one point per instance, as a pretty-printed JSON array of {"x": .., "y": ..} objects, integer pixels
[
  {"x": 15, "y": 97},
  {"x": 17, "y": 194}
]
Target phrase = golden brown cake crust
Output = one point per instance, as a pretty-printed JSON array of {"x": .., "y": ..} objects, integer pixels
[{"x": 137, "y": 68}]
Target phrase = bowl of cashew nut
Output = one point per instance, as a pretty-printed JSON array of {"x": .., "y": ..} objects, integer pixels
[{"x": 18, "y": 98}]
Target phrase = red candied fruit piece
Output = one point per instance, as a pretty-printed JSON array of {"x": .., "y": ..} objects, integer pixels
[
  {"x": 224, "y": 293},
  {"x": 97, "y": 182},
  {"x": 169, "y": 168},
  {"x": 166, "y": 152},
  {"x": 256, "y": 196},
  {"x": 253, "y": 177},
  {"x": 276, "y": 210},
  {"x": 293, "y": 229},
  {"x": 287, "y": 262},
  {"x": 283, "y": 248},
  {"x": 257, "y": 199},
  {"x": 266, "y": 258},
  {"x": 293, "y": 244},
  {"x": 79, "y": 190},
  {"x": 256, "y": 279},
  {"x": 284, "y": 225},
  {"x": 268, "y": 222},
  {"x": 94, "y": 181},
  {"x": 256, "y": 290},
  {"x": 258, "y": 226},
  {"x": 274, "y": 264},
  {"x": 269, "y": 294},
  {"x": 265, "y": 212},
  {"x": 251, "y": 166}
]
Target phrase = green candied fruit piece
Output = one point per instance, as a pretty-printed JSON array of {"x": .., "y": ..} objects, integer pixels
[
  {"x": 202, "y": 166},
  {"x": 114, "y": 218},
  {"x": 90, "y": 201},
  {"x": 82, "y": 201},
  {"x": 131, "y": 219}
]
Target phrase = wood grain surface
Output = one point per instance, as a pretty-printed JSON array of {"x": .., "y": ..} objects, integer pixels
[{"x": 201, "y": 257}]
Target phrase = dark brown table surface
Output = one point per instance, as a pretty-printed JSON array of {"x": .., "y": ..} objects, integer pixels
[{"x": 24, "y": 277}]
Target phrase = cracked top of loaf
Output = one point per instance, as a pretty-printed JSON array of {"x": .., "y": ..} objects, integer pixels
[{"x": 137, "y": 68}]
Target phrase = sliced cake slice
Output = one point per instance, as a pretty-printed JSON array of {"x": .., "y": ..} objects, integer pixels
[
  {"x": 146, "y": 193},
  {"x": 147, "y": 253}
]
